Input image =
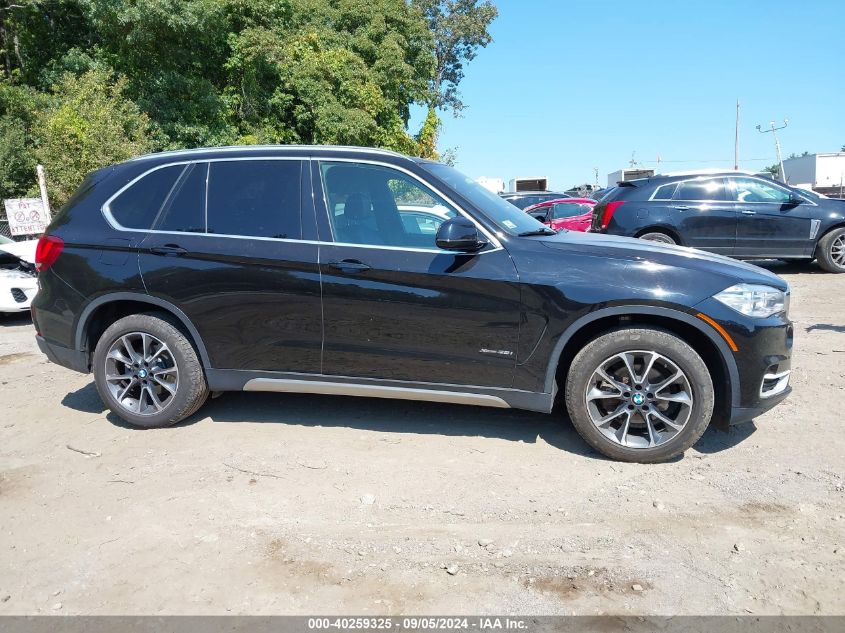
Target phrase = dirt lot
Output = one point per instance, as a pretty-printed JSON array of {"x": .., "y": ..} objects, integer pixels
[{"x": 267, "y": 503}]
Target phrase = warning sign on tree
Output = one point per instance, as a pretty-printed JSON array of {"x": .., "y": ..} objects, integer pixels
[{"x": 26, "y": 216}]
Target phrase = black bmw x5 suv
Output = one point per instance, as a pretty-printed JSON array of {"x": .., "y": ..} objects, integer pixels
[
  {"x": 731, "y": 213},
  {"x": 360, "y": 272}
]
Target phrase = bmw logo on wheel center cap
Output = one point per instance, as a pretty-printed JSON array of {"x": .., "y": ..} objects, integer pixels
[
  {"x": 638, "y": 399},
  {"x": 142, "y": 373}
]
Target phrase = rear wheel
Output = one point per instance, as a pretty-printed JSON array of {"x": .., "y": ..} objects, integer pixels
[
  {"x": 656, "y": 236},
  {"x": 639, "y": 395},
  {"x": 830, "y": 251},
  {"x": 147, "y": 371}
]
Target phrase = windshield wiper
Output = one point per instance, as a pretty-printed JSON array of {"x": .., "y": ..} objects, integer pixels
[{"x": 543, "y": 231}]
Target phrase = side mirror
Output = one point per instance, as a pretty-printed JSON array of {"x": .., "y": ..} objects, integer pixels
[
  {"x": 459, "y": 234},
  {"x": 795, "y": 199}
]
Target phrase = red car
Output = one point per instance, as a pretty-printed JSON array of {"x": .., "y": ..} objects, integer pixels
[{"x": 574, "y": 214}]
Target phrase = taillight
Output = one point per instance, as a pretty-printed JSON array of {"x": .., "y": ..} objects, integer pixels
[
  {"x": 47, "y": 251},
  {"x": 608, "y": 211}
]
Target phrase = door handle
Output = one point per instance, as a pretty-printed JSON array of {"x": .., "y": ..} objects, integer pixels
[
  {"x": 169, "y": 250},
  {"x": 682, "y": 208},
  {"x": 350, "y": 265},
  {"x": 749, "y": 212}
]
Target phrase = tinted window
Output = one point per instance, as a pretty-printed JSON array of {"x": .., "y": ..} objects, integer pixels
[
  {"x": 184, "y": 209},
  {"x": 137, "y": 207},
  {"x": 713, "y": 189},
  {"x": 255, "y": 198},
  {"x": 665, "y": 192},
  {"x": 381, "y": 206},
  {"x": 750, "y": 190}
]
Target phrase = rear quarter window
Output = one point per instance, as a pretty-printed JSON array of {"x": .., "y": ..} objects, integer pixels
[{"x": 137, "y": 206}]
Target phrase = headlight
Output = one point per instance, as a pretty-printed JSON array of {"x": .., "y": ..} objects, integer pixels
[{"x": 753, "y": 300}]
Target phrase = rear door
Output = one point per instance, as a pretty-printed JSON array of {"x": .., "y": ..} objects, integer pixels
[
  {"x": 703, "y": 215},
  {"x": 395, "y": 306},
  {"x": 227, "y": 248},
  {"x": 769, "y": 224}
]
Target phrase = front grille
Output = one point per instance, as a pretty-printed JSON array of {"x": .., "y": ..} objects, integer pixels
[{"x": 18, "y": 295}]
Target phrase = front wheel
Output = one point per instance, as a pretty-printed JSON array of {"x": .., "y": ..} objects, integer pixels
[
  {"x": 639, "y": 395},
  {"x": 147, "y": 371},
  {"x": 831, "y": 251}
]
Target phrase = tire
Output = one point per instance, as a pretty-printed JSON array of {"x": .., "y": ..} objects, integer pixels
[
  {"x": 173, "y": 373},
  {"x": 656, "y": 236},
  {"x": 646, "y": 439},
  {"x": 830, "y": 251}
]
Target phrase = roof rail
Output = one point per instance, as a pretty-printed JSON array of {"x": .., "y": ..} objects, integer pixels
[{"x": 247, "y": 148}]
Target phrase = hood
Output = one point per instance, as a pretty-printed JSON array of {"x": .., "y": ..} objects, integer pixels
[
  {"x": 641, "y": 251},
  {"x": 20, "y": 250}
]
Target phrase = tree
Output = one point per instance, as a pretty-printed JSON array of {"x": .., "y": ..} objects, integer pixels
[
  {"x": 88, "y": 124},
  {"x": 774, "y": 170},
  {"x": 459, "y": 28}
]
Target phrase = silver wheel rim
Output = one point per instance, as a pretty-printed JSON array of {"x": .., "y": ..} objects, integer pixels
[
  {"x": 837, "y": 251},
  {"x": 141, "y": 373},
  {"x": 639, "y": 399},
  {"x": 658, "y": 237}
]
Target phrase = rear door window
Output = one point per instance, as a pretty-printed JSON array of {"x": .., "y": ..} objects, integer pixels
[
  {"x": 255, "y": 198},
  {"x": 712, "y": 189},
  {"x": 137, "y": 206}
]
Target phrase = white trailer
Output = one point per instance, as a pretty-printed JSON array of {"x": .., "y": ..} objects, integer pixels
[{"x": 825, "y": 173}]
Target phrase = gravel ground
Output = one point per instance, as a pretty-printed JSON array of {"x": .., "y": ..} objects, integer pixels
[{"x": 285, "y": 504}]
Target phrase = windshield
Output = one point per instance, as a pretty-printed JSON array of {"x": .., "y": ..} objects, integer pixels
[{"x": 505, "y": 215}]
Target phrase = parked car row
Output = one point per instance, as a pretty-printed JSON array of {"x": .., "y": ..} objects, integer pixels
[
  {"x": 741, "y": 215},
  {"x": 350, "y": 271}
]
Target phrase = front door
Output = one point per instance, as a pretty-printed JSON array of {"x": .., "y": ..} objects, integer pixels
[
  {"x": 227, "y": 249},
  {"x": 395, "y": 306},
  {"x": 770, "y": 225}
]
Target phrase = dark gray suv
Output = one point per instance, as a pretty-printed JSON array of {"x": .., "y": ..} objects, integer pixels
[{"x": 736, "y": 214}]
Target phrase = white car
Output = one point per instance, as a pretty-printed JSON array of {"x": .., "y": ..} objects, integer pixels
[{"x": 18, "y": 281}]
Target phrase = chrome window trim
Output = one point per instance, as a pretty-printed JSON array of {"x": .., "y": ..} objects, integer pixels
[{"x": 110, "y": 219}]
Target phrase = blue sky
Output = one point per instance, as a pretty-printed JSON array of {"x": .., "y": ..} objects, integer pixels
[{"x": 572, "y": 85}]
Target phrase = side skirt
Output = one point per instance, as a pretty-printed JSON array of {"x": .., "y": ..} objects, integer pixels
[{"x": 283, "y": 382}]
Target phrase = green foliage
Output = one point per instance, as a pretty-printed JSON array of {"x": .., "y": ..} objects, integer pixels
[
  {"x": 87, "y": 125},
  {"x": 18, "y": 109},
  {"x": 459, "y": 28},
  {"x": 774, "y": 170},
  {"x": 85, "y": 83}
]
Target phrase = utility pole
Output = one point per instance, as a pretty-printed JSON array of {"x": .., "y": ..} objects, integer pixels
[
  {"x": 774, "y": 130},
  {"x": 736, "y": 139}
]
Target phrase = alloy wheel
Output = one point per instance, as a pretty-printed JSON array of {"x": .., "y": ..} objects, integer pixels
[
  {"x": 639, "y": 399},
  {"x": 837, "y": 251},
  {"x": 141, "y": 373}
]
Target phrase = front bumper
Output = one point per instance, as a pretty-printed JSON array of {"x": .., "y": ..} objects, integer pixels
[
  {"x": 739, "y": 415},
  {"x": 70, "y": 358},
  {"x": 763, "y": 360}
]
